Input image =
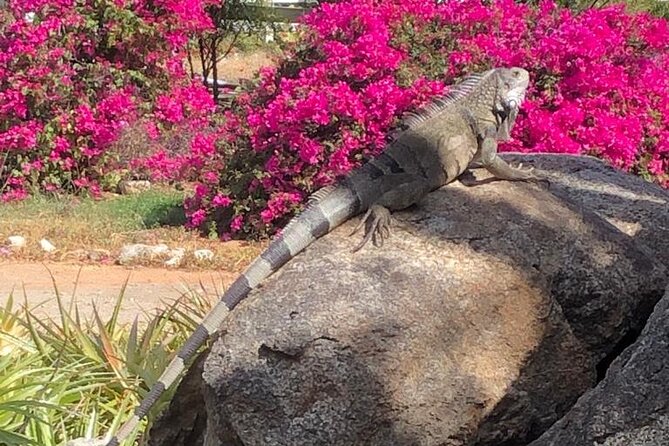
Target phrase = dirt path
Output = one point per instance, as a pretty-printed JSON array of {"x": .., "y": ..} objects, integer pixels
[{"x": 147, "y": 289}]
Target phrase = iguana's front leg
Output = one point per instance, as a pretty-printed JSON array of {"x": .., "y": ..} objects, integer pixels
[
  {"x": 491, "y": 161},
  {"x": 402, "y": 190}
]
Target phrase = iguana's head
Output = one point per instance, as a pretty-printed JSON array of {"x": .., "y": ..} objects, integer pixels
[{"x": 511, "y": 87}]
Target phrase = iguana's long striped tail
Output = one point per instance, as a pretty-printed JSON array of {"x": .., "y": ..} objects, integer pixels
[{"x": 328, "y": 208}]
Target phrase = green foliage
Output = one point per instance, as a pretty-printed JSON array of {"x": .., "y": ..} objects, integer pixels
[
  {"x": 659, "y": 8},
  {"x": 73, "y": 377},
  {"x": 145, "y": 210}
]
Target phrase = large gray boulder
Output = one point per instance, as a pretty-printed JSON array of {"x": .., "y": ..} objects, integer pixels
[
  {"x": 481, "y": 321},
  {"x": 627, "y": 202},
  {"x": 630, "y": 407}
]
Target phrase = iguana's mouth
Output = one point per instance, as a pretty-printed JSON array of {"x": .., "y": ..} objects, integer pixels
[{"x": 514, "y": 99}]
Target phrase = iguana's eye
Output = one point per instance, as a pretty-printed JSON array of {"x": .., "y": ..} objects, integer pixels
[{"x": 516, "y": 73}]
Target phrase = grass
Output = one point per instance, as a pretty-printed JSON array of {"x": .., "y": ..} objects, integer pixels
[
  {"x": 69, "y": 378},
  {"x": 659, "y": 8},
  {"x": 80, "y": 227},
  {"x": 146, "y": 210}
]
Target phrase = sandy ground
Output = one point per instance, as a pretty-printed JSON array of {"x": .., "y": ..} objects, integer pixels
[
  {"x": 238, "y": 66},
  {"x": 243, "y": 66},
  {"x": 147, "y": 289}
]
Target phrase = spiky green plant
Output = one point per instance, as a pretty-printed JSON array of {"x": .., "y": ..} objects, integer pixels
[{"x": 74, "y": 377}]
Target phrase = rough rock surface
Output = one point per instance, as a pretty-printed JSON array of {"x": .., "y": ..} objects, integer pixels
[
  {"x": 479, "y": 322},
  {"x": 132, "y": 187},
  {"x": 626, "y": 201},
  {"x": 138, "y": 251},
  {"x": 630, "y": 407}
]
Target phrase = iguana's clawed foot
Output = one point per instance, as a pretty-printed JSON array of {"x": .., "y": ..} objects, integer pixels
[
  {"x": 529, "y": 175},
  {"x": 377, "y": 222},
  {"x": 523, "y": 173},
  {"x": 501, "y": 170},
  {"x": 520, "y": 173}
]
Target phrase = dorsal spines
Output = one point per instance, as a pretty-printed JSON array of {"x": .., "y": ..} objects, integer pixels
[
  {"x": 320, "y": 194},
  {"x": 437, "y": 105}
]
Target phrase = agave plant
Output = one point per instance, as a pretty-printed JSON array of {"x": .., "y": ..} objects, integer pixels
[{"x": 75, "y": 377}]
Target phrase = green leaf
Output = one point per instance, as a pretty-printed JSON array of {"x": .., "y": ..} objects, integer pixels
[{"x": 10, "y": 438}]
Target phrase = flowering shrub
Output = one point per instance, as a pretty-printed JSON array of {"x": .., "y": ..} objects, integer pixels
[
  {"x": 79, "y": 76},
  {"x": 600, "y": 86},
  {"x": 74, "y": 74}
]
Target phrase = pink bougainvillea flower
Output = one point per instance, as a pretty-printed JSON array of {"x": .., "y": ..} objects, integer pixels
[{"x": 600, "y": 86}]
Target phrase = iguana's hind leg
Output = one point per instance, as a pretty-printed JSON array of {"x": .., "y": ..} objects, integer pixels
[
  {"x": 377, "y": 222},
  {"x": 402, "y": 190}
]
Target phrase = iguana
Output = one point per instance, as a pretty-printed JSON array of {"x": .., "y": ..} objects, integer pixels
[{"x": 434, "y": 147}]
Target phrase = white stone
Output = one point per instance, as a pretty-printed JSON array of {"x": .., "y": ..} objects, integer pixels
[
  {"x": 130, "y": 253},
  {"x": 46, "y": 245},
  {"x": 140, "y": 251},
  {"x": 132, "y": 187},
  {"x": 159, "y": 250},
  {"x": 204, "y": 255},
  {"x": 16, "y": 241},
  {"x": 176, "y": 257}
]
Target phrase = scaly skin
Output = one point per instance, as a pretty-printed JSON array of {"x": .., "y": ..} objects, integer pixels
[{"x": 439, "y": 143}]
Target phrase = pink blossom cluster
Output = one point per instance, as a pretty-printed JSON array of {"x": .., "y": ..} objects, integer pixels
[
  {"x": 600, "y": 86},
  {"x": 75, "y": 74}
]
